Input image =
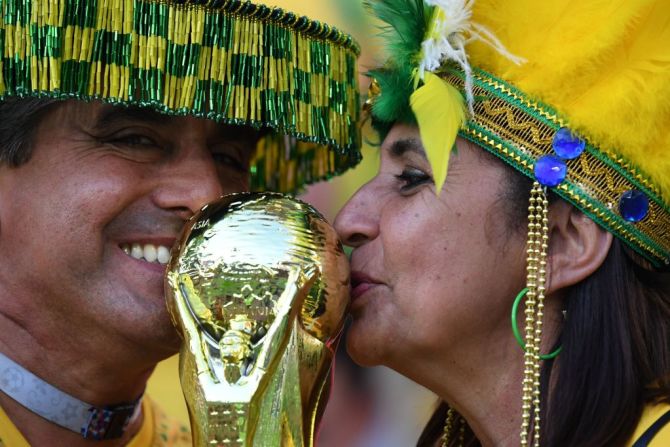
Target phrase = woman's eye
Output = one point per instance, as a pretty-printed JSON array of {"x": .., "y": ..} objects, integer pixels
[{"x": 411, "y": 178}]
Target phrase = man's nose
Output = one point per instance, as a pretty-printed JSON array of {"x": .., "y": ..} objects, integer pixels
[{"x": 190, "y": 181}]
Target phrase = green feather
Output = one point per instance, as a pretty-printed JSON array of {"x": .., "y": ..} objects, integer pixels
[
  {"x": 405, "y": 23},
  {"x": 396, "y": 87}
]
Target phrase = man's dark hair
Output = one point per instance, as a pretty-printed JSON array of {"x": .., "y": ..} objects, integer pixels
[{"x": 19, "y": 118}]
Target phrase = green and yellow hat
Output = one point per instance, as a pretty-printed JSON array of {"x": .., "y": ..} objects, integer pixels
[
  {"x": 573, "y": 94},
  {"x": 231, "y": 61}
]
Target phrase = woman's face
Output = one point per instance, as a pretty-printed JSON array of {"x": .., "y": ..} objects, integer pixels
[{"x": 432, "y": 277}]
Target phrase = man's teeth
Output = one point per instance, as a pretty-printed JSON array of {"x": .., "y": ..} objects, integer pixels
[{"x": 148, "y": 252}]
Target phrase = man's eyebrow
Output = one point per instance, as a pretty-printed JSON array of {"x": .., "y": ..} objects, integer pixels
[
  {"x": 402, "y": 146},
  {"x": 113, "y": 115}
]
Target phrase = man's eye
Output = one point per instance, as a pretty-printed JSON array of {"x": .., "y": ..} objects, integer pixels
[
  {"x": 411, "y": 178},
  {"x": 134, "y": 140},
  {"x": 229, "y": 161}
]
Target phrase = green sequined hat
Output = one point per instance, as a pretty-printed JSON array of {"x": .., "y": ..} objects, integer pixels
[{"x": 232, "y": 61}]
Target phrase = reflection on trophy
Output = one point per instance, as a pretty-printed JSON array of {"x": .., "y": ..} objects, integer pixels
[{"x": 258, "y": 286}]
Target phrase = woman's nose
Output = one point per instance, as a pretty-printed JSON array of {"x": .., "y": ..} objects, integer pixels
[{"x": 358, "y": 221}]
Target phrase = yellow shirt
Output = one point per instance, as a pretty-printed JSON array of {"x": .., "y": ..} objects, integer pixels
[
  {"x": 157, "y": 430},
  {"x": 651, "y": 414}
]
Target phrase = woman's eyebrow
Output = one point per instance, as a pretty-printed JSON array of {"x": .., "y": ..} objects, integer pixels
[{"x": 401, "y": 147}]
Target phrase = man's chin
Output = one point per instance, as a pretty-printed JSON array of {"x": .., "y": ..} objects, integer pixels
[
  {"x": 157, "y": 338},
  {"x": 170, "y": 340}
]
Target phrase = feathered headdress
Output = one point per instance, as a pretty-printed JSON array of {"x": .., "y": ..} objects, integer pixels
[
  {"x": 421, "y": 36},
  {"x": 601, "y": 93}
]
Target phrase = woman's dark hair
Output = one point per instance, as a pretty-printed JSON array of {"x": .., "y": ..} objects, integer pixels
[
  {"x": 19, "y": 118},
  {"x": 616, "y": 348}
]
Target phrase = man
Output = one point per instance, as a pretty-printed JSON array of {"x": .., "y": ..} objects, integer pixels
[{"x": 93, "y": 194}]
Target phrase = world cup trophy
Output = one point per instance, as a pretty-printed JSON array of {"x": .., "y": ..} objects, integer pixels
[{"x": 258, "y": 287}]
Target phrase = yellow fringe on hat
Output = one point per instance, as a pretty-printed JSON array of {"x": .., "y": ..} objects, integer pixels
[{"x": 611, "y": 79}]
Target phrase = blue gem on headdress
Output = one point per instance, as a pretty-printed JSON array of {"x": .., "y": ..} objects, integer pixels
[
  {"x": 633, "y": 205},
  {"x": 550, "y": 170},
  {"x": 566, "y": 145}
]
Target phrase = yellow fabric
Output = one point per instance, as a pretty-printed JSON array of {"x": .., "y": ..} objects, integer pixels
[
  {"x": 610, "y": 79},
  {"x": 157, "y": 430},
  {"x": 9, "y": 435},
  {"x": 167, "y": 432},
  {"x": 649, "y": 416},
  {"x": 164, "y": 388}
]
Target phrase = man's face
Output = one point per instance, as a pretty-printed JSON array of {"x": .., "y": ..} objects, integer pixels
[{"x": 85, "y": 224}]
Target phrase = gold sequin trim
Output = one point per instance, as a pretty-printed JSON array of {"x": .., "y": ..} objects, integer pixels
[{"x": 514, "y": 134}]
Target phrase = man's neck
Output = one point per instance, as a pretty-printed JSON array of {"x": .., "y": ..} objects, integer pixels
[
  {"x": 107, "y": 376},
  {"x": 39, "y": 431}
]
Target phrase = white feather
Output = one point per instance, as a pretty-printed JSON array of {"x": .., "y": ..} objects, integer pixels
[{"x": 451, "y": 29}]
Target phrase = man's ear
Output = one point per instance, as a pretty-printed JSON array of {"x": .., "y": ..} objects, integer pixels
[{"x": 577, "y": 246}]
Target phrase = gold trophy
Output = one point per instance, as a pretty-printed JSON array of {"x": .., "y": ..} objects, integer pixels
[{"x": 258, "y": 287}]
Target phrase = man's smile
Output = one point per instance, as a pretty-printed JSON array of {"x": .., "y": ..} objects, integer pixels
[{"x": 155, "y": 253}]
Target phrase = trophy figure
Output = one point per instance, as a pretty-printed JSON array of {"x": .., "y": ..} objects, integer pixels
[{"x": 258, "y": 287}]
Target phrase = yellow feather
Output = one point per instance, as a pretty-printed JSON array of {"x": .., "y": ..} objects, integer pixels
[{"x": 440, "y": 111}]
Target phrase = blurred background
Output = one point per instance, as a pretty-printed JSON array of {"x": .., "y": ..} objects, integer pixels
[{"x": 369, "y": 407}]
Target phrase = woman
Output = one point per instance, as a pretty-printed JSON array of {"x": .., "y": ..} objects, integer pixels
[{"x": 574, "y": 254}]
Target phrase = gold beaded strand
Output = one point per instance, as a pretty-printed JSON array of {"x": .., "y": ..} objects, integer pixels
[
  {"x": 538, "y": 236},
  {"x": 541, "y": 281},
  {"x": 449, "y": 425}
]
